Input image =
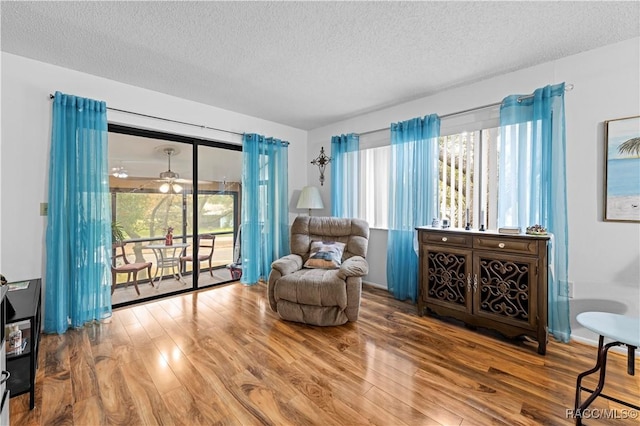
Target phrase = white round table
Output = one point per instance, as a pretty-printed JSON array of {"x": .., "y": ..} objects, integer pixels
[
  {"x": 622, "y": 328},
  {"x": 166, "y": 261},
  {"x": 623, "y": 331}
]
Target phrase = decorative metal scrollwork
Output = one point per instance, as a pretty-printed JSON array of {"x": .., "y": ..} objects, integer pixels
[
  {"x": 504, "y": 288},
  {"x": 447, "y": 278}
]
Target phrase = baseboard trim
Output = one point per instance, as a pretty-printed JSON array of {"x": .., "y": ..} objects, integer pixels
[{"x": 380, "y": 286}]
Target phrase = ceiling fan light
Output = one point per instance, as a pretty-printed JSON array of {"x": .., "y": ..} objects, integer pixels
[
  {"x": 169, "y": 175},
  {"x": 119, "y": 172}
]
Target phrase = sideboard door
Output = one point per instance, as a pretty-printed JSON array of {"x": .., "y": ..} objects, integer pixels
[
  {"x": 506, "y": 288},
  {"x": 447, "y": 275}
]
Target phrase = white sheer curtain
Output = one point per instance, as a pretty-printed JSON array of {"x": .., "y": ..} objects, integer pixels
[{"x": 374, "y": 186}]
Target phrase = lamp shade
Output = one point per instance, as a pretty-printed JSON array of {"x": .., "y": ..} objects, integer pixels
[{"x": 310, "y": 198}]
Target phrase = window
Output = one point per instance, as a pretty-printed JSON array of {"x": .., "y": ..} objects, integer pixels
[
  {"x": 374, "y": 186},
  {"x": 468, "y": 178},
  {"x": 146, "y": 215},
  {"x": 468, "y": 172},
  {"x": 216, "y": 211}
]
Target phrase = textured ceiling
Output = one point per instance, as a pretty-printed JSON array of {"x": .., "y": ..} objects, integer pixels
[{"x": 308, "y": 64}]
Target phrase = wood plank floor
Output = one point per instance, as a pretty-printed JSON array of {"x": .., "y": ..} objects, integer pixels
[
  {"x": 167, "y": 285},
  {"x": 220, "y": 356}
]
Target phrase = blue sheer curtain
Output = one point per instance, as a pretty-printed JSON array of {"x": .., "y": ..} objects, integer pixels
[
  {"x": 344, "y": 175},
  {"x": 265, "y": 209},
  {"x": 532, "y": 184},
  {"x": 413, "y": 198},
  {"x": 78, "y": 238}
]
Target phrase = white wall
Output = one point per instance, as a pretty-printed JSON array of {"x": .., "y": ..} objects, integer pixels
[
  {"x": 25, "y": 140},
  {"x": 604, "y": 257}
]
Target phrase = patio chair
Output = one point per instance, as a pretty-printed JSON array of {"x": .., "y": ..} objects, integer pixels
[
  {"x": 206, "y": 243},
  {"x": 126, "y": 267}
]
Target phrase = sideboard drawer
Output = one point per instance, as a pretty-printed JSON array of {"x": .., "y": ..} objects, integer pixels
[
  {"x": 520, "y": 245},
  {"x": 446, "y": 237}
]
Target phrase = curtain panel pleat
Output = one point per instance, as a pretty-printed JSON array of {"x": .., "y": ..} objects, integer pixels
[
  {"x": 345, "y": 153},
  {"x": 532, "y": 185},
  {"x": 78, "y": 236},
  {"x": 413, "y": 198},
  {"x": 265, "y": 210}
]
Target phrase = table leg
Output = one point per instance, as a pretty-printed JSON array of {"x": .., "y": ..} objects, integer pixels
[
  {"x": 175, "y": 264},
  {"x": 180, "y": 275},
  {"x": 601, "y": 364},
  {"x": 578, "y": 406},
  {"x": 160, "y": 258}
]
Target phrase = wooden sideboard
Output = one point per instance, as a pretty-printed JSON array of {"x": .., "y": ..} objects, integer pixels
[{"x": 485, "y": 279}]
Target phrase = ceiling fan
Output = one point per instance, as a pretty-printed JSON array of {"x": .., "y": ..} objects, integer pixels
[
  {"x": 119, "y": 172},
  {"x": 169, "y": 176}
]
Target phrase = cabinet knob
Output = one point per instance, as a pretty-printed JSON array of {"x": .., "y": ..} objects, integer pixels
[
  {"x": 444, "y": 238},
  {"x": 501, "y": 245}
]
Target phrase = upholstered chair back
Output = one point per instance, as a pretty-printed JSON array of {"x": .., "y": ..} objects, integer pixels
[{"x": 354, "y": 233}]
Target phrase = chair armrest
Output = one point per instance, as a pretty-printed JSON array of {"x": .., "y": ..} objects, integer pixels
[
  {"x": 355, "y": 266},
  {"x": 287, "y": 264}
]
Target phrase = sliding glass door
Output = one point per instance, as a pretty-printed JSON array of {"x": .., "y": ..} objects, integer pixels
[
  {"x": 191, "y": 187},
  {"x": 216, "y": 212}
]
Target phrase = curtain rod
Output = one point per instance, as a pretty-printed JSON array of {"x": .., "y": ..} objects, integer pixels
[
  {"x": 567, "y": 88},
  {"x": 168, "y": 119}
]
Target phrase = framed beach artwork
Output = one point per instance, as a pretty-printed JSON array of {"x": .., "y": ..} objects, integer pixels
[{"x": 622, "y": 173}]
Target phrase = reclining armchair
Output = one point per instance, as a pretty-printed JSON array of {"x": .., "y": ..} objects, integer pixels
[{"x": 320, "y": 282}]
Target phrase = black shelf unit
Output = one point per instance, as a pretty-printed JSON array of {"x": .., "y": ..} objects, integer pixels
[
  {"x": 27, "y": 305},
  {"x": 5, "y": 394}
]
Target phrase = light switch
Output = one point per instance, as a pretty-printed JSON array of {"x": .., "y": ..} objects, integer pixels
[{"x": 44, "y": 209}]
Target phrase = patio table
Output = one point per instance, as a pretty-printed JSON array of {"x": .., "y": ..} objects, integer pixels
[{"x": 164, "y": 260}]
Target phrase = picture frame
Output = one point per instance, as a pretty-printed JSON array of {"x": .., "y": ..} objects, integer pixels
[{"x": 622, "y": 169}]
